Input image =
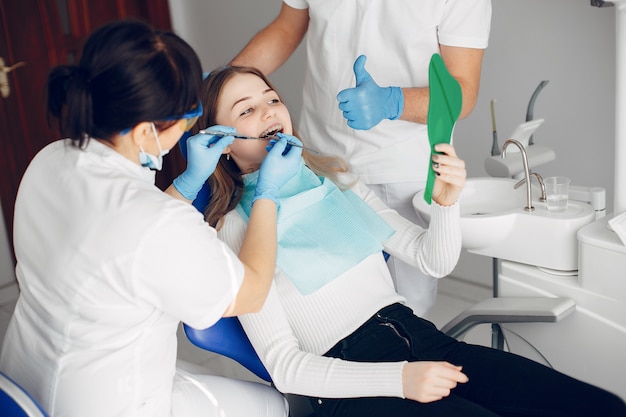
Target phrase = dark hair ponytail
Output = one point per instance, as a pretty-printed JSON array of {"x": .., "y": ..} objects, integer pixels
[
  {"x": 128, "y": 73},
  {"x": 68, "y": 94}
]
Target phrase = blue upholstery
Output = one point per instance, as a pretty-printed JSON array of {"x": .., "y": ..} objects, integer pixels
[
  {"x": 16, "y": 402},
  {"x": 228, "y": 338}
]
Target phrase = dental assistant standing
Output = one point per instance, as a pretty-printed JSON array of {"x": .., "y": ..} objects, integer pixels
[
  {"x": 108, "y": 264},
  {"x": 365, "y": 95}
]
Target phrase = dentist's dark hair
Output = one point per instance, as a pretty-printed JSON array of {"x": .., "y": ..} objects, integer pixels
[{"x": 128, "y": 73}]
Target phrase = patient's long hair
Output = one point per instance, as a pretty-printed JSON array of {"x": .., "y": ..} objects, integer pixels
[{"x": 226, "y": 182}]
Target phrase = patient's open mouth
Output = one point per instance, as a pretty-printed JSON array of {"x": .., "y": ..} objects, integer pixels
[
  {"x": 267, "y": 135},
  {"x": 271, "y": 133}
]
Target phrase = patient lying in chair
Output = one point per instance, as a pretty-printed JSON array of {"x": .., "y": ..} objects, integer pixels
[{"x": 333, "y": 328}]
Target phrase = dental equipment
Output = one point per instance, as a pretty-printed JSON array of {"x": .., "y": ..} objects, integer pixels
[
  {"x": 531, "y": 106},
  {"x": 513, "y": 167},
  {"x": 245, "y": 137}
]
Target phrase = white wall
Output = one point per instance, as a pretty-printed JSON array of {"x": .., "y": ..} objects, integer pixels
[{"x": 567, "y": 42}]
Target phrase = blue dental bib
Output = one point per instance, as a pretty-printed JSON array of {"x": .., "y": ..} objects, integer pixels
[{"x": 322, "y": 231}]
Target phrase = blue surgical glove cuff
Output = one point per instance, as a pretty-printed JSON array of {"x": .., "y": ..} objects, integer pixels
[
  {"x": 278, "y": 167},
  {"x": 203, "y": 154},
  {"x": 187, "y": 187},
  {"x": 266, "y": 191},
  {"x": 395, "y": 103}
]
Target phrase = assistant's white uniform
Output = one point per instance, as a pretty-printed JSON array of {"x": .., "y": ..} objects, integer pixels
[
  {"x": 108, "y": 265},
  {"x": 398, "y": 37}
]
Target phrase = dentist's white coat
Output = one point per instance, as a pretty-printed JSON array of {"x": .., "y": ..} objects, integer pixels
[{"x": 108, "y": 265}]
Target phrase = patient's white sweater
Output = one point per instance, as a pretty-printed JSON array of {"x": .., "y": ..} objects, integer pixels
[{"x": 293, "y": 331}]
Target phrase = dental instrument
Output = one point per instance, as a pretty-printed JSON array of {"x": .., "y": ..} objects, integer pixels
[
  {"x": 245, "y": 137},
  {"x": 495, "y": 148}
]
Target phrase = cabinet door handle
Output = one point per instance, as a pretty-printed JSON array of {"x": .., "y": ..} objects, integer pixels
[{"x": 5, "y": 89}]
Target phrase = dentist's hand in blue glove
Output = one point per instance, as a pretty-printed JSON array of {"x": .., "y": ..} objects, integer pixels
[
  {"x": 282, "y": 162},
  {"x": 367, "y": 104},
  {"x": 203, "y": 153}
]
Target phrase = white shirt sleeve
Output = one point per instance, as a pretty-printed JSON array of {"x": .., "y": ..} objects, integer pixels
[
  {"x": 297, "y": 4},
  {"x": 466, "y": 24}
]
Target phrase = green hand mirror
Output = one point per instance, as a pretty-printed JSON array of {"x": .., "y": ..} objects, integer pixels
[{"x": 443, "y": 111}]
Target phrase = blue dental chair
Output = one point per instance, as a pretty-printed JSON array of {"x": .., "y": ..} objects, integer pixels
[{"x": 16, "y": 402}]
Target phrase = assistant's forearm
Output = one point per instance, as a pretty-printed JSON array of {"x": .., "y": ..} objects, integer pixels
[
  {"x": 416, "y": 102},
  {"x": 269, "y": 59},
  {"x": 271, "y": 47}
]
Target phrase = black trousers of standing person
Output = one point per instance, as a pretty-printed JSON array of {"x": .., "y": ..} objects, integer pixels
[{"x": 501, "y": 384}]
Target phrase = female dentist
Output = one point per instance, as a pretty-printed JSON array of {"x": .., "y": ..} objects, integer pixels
[{"x": 108, "y": 264}]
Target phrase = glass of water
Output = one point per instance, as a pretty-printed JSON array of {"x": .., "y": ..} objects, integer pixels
[{"x": 557, "y": 190}]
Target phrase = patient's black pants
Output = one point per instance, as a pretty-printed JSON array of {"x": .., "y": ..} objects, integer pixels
[{"x": 500, "y": 384}]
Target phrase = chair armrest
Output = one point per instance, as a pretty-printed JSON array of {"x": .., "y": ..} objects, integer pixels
[{"x": 510, "y": 310}]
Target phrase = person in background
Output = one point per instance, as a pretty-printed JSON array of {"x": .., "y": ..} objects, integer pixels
[
  {"x": 108, "y": 265},
  {"x": 370, "y": 59},
  {"x": 333, "y": 328}
]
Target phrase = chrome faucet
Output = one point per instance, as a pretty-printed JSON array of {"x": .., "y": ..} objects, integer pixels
[
  {"x": 529, "y": 199},
  {"x": 543, "y": 197}
]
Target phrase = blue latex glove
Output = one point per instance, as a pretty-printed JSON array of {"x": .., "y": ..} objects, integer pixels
[
  {"x": 203, "y": 153},
  {"x": 367, "y": 104},
  {"x": 279, "y": 166}
]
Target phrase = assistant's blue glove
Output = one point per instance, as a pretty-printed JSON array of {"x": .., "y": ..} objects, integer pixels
[
  {"x": 203, "y": 153},
  {"x": 282, "y": 162},
  {"x": 365, "y": 105}
]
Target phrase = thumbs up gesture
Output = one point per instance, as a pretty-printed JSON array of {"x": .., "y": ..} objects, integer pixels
[{"x": 366, "y": 104}]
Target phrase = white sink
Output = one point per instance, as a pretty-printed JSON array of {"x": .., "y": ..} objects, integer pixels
[{"x": 494, "y": 223}]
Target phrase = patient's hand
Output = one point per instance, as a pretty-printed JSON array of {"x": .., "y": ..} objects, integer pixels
[
  {"x": 425, "y": 381},
  {"x": 451, "y": 175}
]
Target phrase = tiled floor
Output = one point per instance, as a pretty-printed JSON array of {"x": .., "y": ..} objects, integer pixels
[{"x": 454, "y": 296}]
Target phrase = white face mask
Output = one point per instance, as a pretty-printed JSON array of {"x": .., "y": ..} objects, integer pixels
[{"x": 150, "y": 161}]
